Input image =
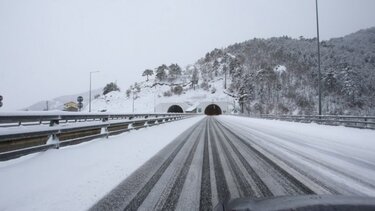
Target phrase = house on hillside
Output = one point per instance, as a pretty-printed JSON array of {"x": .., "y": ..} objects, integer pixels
[{"x": 71, "y": 106}]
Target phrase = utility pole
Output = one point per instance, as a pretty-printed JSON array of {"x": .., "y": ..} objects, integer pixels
[
  {"x": 47, "y": 106},
  {"x": 155, "y": 100},
  {"x": 133, "y": 100},
  {"x": 90, "y": 89},
  {"x": 319, "y": 75},
  {"x": 225, "y": 77}
]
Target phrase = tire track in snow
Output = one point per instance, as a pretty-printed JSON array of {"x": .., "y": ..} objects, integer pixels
[
  {"x": 205, "y": 202},
  {"x": 174, "y": 195},
  {"x": 221, "y": 183},
  {"x": 242, "y": 184},
  {"x": 298, "y": 185},
  {"x": 316, "y": 162},
  {"x": 292, "y": 166},
  {"x": 319, "y": 147},
  {"x": 121, "y": 195},
  {"x": 142, "y": 194},
  {"x": 328, "y": 167},
  {"x": 265, "y": 191}
]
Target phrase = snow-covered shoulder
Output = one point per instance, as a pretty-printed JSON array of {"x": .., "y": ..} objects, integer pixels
[{"x": 74, "y": 178}]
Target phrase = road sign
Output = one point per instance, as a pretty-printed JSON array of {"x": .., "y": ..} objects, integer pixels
[{"x": 79, "y": 99}]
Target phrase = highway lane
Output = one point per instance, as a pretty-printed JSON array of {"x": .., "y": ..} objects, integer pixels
[{"x": 219, "y": 159}]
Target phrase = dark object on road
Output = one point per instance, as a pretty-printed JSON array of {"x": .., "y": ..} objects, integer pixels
[{"x": 306, "y": 203}]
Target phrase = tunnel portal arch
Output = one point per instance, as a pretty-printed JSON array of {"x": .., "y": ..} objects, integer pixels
[
  {"x": 212, "y": 109},
  {"x": 175, "y": 109}
]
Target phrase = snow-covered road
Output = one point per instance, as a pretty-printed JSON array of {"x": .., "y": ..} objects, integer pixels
[
  {"x": 229, "y": 157},
  {"x": 339, "y": 157},
  {"x": 193, "y": 164}
]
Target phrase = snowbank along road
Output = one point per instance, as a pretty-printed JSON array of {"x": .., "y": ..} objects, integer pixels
[{"x": 226, "y": 157}]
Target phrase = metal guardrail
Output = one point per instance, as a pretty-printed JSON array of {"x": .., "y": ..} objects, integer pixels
[
  {"x": 367, "y": 122},
  {"x": 22, "y": 134},
  {"x": 34, "y": 118}
]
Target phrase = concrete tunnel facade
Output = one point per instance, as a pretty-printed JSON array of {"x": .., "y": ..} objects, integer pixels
[{"x": 203, "y": 107}]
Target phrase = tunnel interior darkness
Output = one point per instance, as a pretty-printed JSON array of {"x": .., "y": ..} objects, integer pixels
[
  {"x": 212, "y": 109},
  {"x": 175, "y": 109}
]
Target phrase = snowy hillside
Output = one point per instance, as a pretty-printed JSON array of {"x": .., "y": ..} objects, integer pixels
[
  {"x": 58, "y": 103},
  {"x": 347, "y": 67},
  {"x": 267, "y": 76},
  {"x": 152, "y": 94}
]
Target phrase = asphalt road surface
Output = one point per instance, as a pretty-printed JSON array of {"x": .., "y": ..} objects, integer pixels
[{"x": 216, "y": 160}]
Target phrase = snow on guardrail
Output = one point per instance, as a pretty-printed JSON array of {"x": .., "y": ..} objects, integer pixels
[
  {"x": 22, "y": 134},
  {"x": 365, "y": 122}
]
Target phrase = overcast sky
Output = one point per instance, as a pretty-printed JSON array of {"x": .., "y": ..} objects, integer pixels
[{"x": 48, "y": 47}]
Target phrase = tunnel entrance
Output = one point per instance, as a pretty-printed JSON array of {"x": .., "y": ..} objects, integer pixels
[
  {"x": 175, "y": 109},
  {"x": 212, "y": 109}
]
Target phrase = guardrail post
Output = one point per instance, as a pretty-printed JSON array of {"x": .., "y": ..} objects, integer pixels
[
  {"x": 341, "y": 123},
  {"x": 104, "y": 130},
  {"x": 53, "y": 139},
  {"x": 131, "y": 126},
  {"x": 53, "y": 122}
]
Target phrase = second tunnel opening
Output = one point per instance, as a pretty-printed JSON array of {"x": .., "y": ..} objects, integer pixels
[
  {"x": 212, "y": 109},
  {"x": 175, "y": 109}
]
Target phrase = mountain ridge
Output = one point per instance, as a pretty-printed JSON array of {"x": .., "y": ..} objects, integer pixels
[{"x": 265, "y": 76}]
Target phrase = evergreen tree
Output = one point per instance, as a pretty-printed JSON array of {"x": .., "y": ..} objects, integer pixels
[
  {"x": 174, "y": 71},
  {"x": 110, "y": 87},
  {"x": 195, "y": 77},
  {"x": 351, "y": 86},
  {"x": 160, "y": 72},
  {"x": 147, "y": 73},
  {"x": 330, "y": 82}
]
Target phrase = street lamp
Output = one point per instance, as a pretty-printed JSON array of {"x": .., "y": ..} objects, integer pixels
[
  {"x": 319, "y": 75},
  {"x": 133, "y": 92},
  {"x": 90, "y": 89},
  {"x": 133, "y": 103}
]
